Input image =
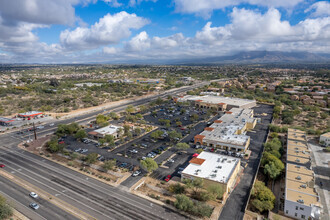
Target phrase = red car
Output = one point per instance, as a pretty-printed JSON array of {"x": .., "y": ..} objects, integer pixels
[
  {"x": 183, "y": 128},
  {"x": 2, "y": 165},
  {"x": 212, "y": 150},
  {"x": 61, "y": 142},
  {"x": 195, "y": 155},
  {"x": 168, "y": 178}
]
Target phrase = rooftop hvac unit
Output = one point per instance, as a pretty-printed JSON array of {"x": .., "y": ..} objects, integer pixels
[
  {"x": 298, "y": 178},
  {"x": 219, "y": 167},
  {"x": 297, "y": 160},
  {"x": 215, "y": 171},
  {"x": 300, "y": 201},
  {"x": 303, "y": 186},
  {"x": 297, "y": 166},
  {"x": 296, "y": 148}
]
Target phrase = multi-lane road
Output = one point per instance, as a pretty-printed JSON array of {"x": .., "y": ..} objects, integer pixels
[{"x": 64, "y": 193}]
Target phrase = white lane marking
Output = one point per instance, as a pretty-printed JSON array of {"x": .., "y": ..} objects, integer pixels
[
  {"x": 21, "y": 204},
  {"x": 41, "y": 177},
  {"x": 132, "y": 202}
]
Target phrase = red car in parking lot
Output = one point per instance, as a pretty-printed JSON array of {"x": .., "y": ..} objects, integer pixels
[
  {"x": 61, "y": 142},
  {"x": 168, "y": 177},
  {"x": 2, "y": 165}
]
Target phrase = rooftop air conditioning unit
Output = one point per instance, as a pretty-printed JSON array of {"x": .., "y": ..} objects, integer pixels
[
  {"x": 298, "y": 178},
  {"x": 303, "y": 186},
  {"x": 300, "y": 201}
]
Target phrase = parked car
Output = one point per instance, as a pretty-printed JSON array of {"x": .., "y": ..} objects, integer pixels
[
  {"x": 84, "y": 151},
  {"x": 61, "y": 142},
  {"x": 180, "y": 170},
  {"x": 134, "y": 151},
  {"x": 34, "y": 195},
  {"x": 136, "y": 173},
  {"x": 168, "y": 177},
  {"x": 34, "y": 206},
  {"x": 2, "y": 166},
  {"x": 77, "y": 150},
  {"x": 40, "y": 127},
  {"x": 170, "y": 160},
  {"x": 52, "y": 124},
  {"x": 123, "y": 165}
]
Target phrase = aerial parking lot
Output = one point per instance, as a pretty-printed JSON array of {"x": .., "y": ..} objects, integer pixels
[{"x": 160, "y": 144}]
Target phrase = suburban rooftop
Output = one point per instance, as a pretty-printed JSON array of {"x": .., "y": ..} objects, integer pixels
[{"x": 212, "y": 166}]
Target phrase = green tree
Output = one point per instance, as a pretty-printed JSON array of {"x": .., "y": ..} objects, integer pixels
[
  {"x": 156, "y": 134},
  {"x": 102, "y": 120},
  {"x": 53, "y": 146},
  {"x": 173, "y": 135},
  {"x": 137, "y": 131},
  {"x": 6, "y": 211},
  {"x": 183, "y": 203},
  {"x": 216, "y": 190},
  {"x": 130, "y": 109},
  {"x": 114, "y": 115},
  {"x": 126, "y": 129},
  {"x": 177, "y": 188},
  {"x": 91, "y": 158},
  {"x": 196, "y": 184},
  {"x": 149, "y": 164},
  {"x": 194, "y": 117},
  {"x": 273, "y": 166},
  {"x": 80, "y": 134},
  {"x": 182, "y": 146},
  {"x": 109, "y": 164},
  {"x": 178, "y": 123},
  {"x": 262, "y": 198}
]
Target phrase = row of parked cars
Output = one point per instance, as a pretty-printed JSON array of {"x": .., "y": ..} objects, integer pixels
[{"x": 154, "y": 153}]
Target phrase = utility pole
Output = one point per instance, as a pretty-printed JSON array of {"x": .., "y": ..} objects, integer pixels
[{"x": 35, "y": 132}]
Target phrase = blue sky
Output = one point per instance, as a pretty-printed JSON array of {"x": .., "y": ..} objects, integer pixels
[{"x": 78, "y": 31}]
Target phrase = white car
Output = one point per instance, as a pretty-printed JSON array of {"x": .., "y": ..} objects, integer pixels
[
  {"x": 33, "y": 195},
  {"x": 136, "y": 173},
  {"x": 40, "y": 127},
  {"x": 34, "y": 206},
  {"x": 170, "y": 160},
  {"x": 52, "y": 124},
  {"x": 134, "y": 151},
  {"x": 84, "y": 150}
]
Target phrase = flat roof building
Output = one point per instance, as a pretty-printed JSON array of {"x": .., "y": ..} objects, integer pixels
[
  {"x": 31, "y": 114},
  {"x": 108, "y": 130},
  {"x": 217, "y": 102},
  {"x": 228, "y": 132},
  {"x": 5, "y": 121},
  {"x": 325, "y": 139},
  {"x": 213, "y": 169},
  {"x": 301, "y": 199}
]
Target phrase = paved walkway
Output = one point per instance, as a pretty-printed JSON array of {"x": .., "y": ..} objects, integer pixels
[{"x": 321, "y": 169}]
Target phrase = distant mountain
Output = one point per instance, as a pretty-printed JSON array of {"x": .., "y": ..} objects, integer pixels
[{"x": 262, "y": 57}]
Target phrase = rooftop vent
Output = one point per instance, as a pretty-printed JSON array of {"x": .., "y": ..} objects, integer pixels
[
  {"x": 298, "y": 178},
  {"x": 297, "y": 166},
  {"x": 300, "y": 201},
  {"x": 303, "y": 186},
  {"x": 297, "y": 160}
]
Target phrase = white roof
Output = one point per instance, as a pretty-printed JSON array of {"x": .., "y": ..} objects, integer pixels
[
  {"x": 216, "y": 167},
  {"x": 111, "y": 129},
  {"x": 217, "y": 99},
  {"x": 30, "y": 113},
  {"x": 224, "y": 132}
]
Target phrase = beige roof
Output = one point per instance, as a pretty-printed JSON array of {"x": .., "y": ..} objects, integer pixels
[
  {"x": 299, "y": 169},
  {"x": 326, "y": 135},
  {"x": 307, "y": 199},
  {"x": 294, "y": 144},
  {"x": 294, "y": 159},
  {"x": 300, "y": 187},
  {"x": 299, "y": 177},
  {"x": 299, "y": 153}
]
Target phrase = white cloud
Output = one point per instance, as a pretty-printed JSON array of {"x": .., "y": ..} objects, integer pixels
[
  {"x": 205, "y": 7},
  {"x": 319, "y": 9},
  {"x": 109, "y": 50},
  {"x": 113, "y": 3},
  {"x": 133, "y": 3},
  {"x": 109, "y": 30},
  {"x": 39, "y": 11}
]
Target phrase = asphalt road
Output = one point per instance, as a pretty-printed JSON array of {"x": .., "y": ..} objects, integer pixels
[
  {"x": 235, "y": 205},
  {"x": 88, "y": 195},
  {"x": 21, "y": 200},
  {"x": 95, "y": 198}
]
